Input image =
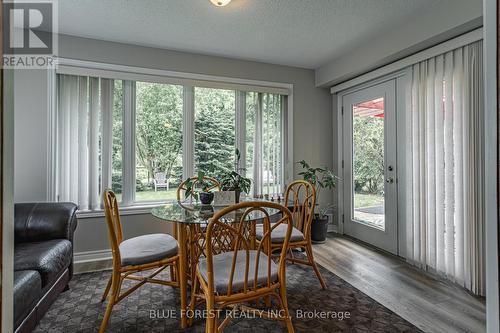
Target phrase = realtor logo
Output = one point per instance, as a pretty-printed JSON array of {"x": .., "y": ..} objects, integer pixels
[{"x": 30, "y": 39}]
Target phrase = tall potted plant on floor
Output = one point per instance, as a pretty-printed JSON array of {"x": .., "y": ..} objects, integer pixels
[
  {"x": 320, "y": 178},
  {"x": 234, "y": 181}
]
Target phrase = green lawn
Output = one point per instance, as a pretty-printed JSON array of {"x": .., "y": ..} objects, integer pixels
[
  {"x": 367, "y": 200},
  {"x": 151, "y": 195}
]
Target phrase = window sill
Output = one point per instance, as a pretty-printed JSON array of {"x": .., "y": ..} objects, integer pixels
[{"x": 138, "y": 209}]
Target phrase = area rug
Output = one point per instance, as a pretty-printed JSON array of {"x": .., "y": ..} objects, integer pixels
[{"x": 153, "y": 308}]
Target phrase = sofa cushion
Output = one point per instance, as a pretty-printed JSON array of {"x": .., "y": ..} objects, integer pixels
[
  {"x": 50, "y": 258},
  {"x": 42, "y": 221},
  {"x": 27, "y": 291}
]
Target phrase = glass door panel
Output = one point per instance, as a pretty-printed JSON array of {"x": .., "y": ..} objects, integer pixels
[{"x": 368, "y": 163}]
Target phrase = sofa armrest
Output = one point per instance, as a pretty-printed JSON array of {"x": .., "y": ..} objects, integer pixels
[{"x": 44, "y": 221}]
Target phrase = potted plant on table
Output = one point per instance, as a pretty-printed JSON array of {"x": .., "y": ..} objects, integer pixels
[
  {"x": 320, "y": 178},
  {"x": 234, "y": 181},
  {"x": 205, "y": 196}
]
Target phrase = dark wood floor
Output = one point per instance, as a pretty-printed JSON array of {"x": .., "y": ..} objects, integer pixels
[{"x": 429, "y": 303}]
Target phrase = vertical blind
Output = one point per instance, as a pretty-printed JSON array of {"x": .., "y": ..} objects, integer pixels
[
  {"x": 445, "y": 204},
  {"x": 83, "y": 110},
  {"x": 267, "y": 161}
]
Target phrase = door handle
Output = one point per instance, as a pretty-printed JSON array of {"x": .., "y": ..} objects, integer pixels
[{"x": 390, "y": 180}]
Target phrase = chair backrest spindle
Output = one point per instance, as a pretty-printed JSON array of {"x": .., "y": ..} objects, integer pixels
[
  {"x": 113, "y": 221},
  {"x": 303, "y": 195}
]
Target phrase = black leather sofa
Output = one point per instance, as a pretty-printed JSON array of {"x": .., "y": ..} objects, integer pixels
[{"x": 43, "y": 258}]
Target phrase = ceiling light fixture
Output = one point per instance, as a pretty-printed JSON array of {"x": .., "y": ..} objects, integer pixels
[{"x": 220, "y": 3}]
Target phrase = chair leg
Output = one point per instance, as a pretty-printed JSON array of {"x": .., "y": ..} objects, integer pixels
[
  {"x": 210, "y": 322},
  {"x": 106, "y": 291},
  {"x": 216, "y": 322},
  {"x": 284, "y": 304},
  {"x": 115, "y": 289},
  {"x": 310, "y": 257},
  {"x": 290, "y": 250},
  {"x": 107, "y": 314},
  {"x": 192, "y": 304}
]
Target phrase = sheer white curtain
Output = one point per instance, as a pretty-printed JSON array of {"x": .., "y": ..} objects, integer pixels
[
  {"x": 84, "y": 108},
  {"x": 445, "y": 219}
]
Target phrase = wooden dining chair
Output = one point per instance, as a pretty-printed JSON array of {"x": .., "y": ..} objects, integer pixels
[
  {"x": 234, "y": 272},
  {"x": 133, "y": 255},
  {"x": 301, "y": 198},
  {"x": 181, "y": 190}
]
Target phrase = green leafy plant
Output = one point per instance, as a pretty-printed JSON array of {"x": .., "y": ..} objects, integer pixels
[
  {"x": 158, "y": 129},
  {"x": 116, "y": 184},
  {"x": 214, "y": 129},
  {"x": 233, "y": 180},
  {"x": 368, "y": 141},
  {"x": 320, "y": 178},
  {"x": 199, "y": 183}
]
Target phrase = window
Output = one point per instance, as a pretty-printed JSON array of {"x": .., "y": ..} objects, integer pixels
[
  {"x": 264, "y": 159},
  {"x": 158, "y": 133},
  {"x": 142, "y": 138},
  {"x": 214, "y": 131},
  {"x": 116, "y": 174},
  {"x": 251, "y": 111}
]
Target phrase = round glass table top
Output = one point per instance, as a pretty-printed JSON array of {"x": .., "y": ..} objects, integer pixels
[{"x": 195, "y": 213}]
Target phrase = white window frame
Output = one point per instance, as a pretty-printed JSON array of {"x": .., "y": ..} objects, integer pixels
[
  {"x": 128, "y": 155},
  {"x": 130, "y": 74}
]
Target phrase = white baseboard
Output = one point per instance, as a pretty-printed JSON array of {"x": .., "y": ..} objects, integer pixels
[
  {"x": 91, "y": 256},
  {"x": 332, "y": 227},
  {"x": 92, "y": 261}
]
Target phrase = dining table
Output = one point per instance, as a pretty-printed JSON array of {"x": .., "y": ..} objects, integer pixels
[{"x": 190, "y": 220}]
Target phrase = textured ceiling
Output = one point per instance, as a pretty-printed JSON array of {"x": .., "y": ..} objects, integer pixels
[{"x": 302, "y": 33}]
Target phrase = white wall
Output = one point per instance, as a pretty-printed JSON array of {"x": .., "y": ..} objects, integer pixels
[
  {"x": 491, "y": 166},
  {"x": 7, "y": 209},
  {"x": 30, "y": 135},
  {"x": 312, "y": 119},
  {"x": 443, "y": 21}
]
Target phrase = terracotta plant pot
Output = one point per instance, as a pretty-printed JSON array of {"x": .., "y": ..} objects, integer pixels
[
  {"x": 206, "y": 198},
  {"x": 319, "y": 228}
]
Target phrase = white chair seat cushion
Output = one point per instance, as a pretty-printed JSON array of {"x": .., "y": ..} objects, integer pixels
[
  {"x": 147, "y": 248},
  {"x": 222, "y": 269},
  {"x": 278, "y": 234}
]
